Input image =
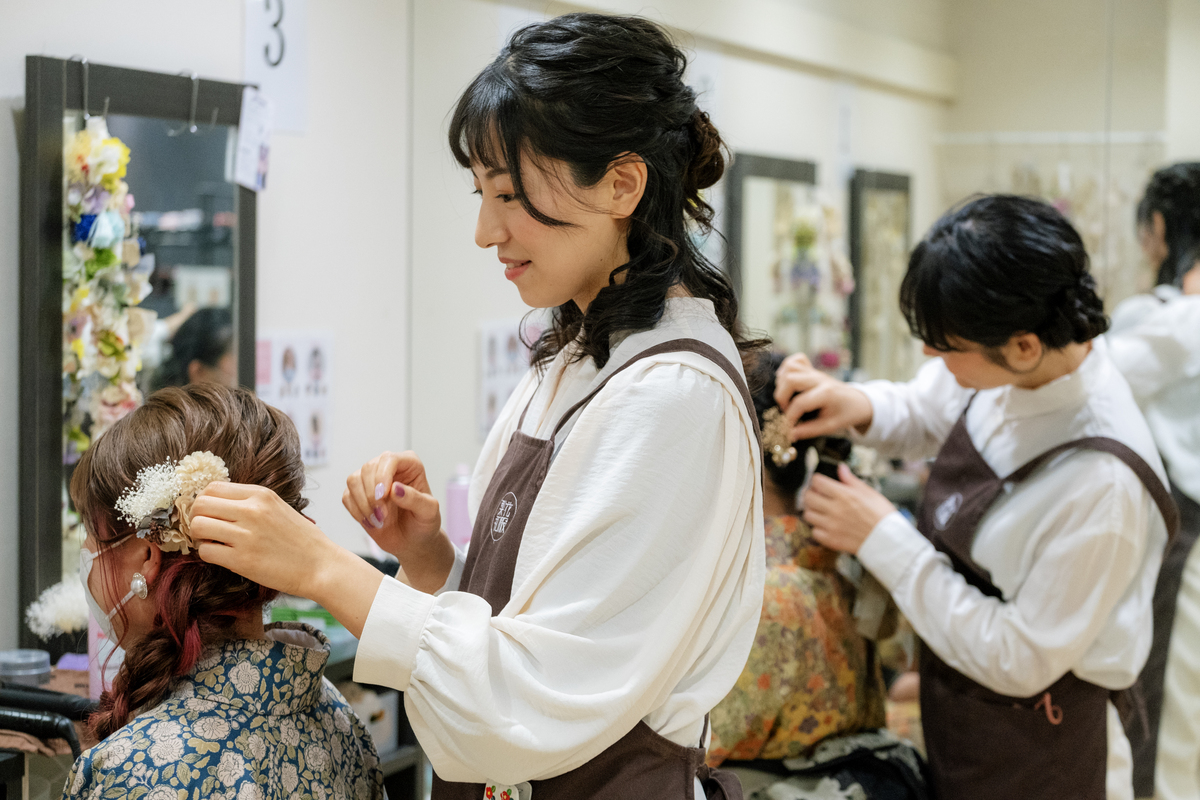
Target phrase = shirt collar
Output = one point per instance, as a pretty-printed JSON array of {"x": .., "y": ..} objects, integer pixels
[
  {"x": 1069, "y": 392},
  {"x": 278, "y": 675}
]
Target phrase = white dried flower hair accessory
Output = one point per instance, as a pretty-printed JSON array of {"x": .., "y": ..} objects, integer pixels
[{"x": 160, "y": 501}]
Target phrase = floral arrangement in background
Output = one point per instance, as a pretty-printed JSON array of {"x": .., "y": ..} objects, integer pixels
[
  {"x": 60, "y": 609},
  {"x": 103, "y": 330}
]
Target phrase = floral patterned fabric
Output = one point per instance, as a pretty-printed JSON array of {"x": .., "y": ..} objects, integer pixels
[
  {"x": 254, "y": 720},
  {"x": 810, "y": 675}
]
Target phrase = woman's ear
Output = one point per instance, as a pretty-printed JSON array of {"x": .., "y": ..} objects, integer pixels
[
  {"x": 628, "y": 177},
  {"x": 195, "y": 371},
  {"x": 1023, "y": 352},
  {"x": 150, "y": 557}
]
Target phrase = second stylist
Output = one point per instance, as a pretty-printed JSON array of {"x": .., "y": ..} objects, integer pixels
[{"x": 1030, "y": 572}]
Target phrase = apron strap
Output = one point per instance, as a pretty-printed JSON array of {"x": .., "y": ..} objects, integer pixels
[
  {"x": 1154, "y": 485},
  {"x": 673, "y": 346}
]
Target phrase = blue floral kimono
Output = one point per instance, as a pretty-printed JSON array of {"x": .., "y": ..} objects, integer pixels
[{"x": 254, "y": 720}]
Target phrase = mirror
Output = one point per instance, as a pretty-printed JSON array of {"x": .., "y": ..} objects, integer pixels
[
  {"x": 137, "y": 272},
  {"x": 880, "y": 221},
  {"x": 785, "y": 245}
]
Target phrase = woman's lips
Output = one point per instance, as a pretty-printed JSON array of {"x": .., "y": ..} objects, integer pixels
[{"x": 515, "y": 269}]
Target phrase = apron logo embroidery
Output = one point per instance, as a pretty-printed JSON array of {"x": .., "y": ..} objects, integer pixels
[
  {"x": 504, "y": 514},
  {"x": 946, "y": 511}
]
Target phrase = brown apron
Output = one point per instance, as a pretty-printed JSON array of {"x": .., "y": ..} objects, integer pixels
[
  {"x": 1142, "y": 730},
  {"x": 983, "y": 745},
  {"x": 642, "y": 765}
]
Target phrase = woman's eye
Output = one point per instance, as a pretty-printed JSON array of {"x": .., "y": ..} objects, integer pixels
[
  {"x": 478, "y": 192},
  {"x": 506, "y": 198}
]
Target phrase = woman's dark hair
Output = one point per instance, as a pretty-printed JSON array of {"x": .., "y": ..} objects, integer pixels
[
  {"x": 196, "y": 603},
  {"x": 588, "y": 90},
  {"x": 997, "y": 266},
  {"x": 205, "y": 336},
  {"x": 1174, "y": 192},
  {"x": 789, "y": 478}
]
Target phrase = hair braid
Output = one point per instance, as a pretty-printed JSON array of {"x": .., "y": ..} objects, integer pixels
[{"x": 196, "y": 604}]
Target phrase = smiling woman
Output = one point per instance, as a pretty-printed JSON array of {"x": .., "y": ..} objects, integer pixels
[{"x": 615, "y": 573}]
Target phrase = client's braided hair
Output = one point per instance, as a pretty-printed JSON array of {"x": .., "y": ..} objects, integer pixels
[{"x": 196, "y": 603}]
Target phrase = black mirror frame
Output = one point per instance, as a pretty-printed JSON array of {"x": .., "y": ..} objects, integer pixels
[
  {"x": 862, "y": 181},
  {"x": 52, "y": 87},
  {"x": 746, "y": 165}
]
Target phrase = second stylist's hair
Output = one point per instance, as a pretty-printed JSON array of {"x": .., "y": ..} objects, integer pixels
[
  {"x": 195, "y": 602},
  {"x": 1174, "y": 192},
  {"x": 998, "y": 266},
  {"x": 588, "y": 90}
]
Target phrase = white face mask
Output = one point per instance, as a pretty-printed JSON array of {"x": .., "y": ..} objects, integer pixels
[{"x": 86, "y": 558}]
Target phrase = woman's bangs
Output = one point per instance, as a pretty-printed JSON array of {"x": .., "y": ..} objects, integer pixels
[{"x": 477, "y": 130}]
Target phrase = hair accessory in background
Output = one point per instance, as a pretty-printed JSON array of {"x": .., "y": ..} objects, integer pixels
[
  {"x": 777, "y": 437},
  {"x": 160, "y": 502}
]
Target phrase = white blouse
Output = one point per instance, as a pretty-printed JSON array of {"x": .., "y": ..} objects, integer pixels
[
  {"x": 638, "y": 586},
  {"x": 1075, "y": 549}
]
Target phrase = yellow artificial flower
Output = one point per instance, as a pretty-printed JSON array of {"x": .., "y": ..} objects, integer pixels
[
  {"x": 77, "y": 157},
  {"x": 114, "y": 161}
]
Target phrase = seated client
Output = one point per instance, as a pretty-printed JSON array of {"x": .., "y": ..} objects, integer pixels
[
  {"x": 806, "y": 718},
  {"x": 209, "y": 702}
]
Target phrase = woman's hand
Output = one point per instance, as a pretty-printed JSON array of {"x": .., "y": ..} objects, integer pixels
[
  {"x": 843, "y": 513},
  {"x": 390, "y": 498},
  {"x": 801, "y": 388},
  {"x": 249, "y": 530}
]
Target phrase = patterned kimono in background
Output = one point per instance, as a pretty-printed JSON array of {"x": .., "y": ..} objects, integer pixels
[
  {"x": 254, "y": 720},
  {"x": 810, "y": 676}
]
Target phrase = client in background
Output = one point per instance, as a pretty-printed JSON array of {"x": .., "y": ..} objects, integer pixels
[
  {"x": 806, "y": 717},
  {"x": 201, "y": 351}
]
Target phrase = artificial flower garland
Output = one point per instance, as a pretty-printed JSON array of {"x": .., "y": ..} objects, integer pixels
[{"x": 103, "y": 282}]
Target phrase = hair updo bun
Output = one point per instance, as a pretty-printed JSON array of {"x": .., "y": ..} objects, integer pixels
[
  {"x": 706, "y": 167},
  {"x": 1081, "y": 312}
]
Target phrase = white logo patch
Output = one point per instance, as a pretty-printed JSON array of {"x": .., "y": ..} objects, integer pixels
[
  {"x": 504, "y": 515},
  {"x": 946, "y": 511}
]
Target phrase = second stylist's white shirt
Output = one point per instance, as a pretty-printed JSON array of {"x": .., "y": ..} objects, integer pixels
[
  {"x": 1075, "y": 549},
  {"x": 637, "y": 588}
]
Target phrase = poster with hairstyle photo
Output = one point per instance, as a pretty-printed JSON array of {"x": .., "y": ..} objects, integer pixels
[{"x": 297, "y": 378}]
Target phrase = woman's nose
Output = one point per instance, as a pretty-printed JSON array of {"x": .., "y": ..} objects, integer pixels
[{"x": 489, "y": 228}]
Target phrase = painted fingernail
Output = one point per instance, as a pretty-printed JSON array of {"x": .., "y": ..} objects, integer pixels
[
  {"x": 366, "y": 521},
  {"x": 378, "y": 517},
  {"x": 398, "y": 490},
  {"x": 375, "y": 523},
  {"x": 379, "y": 492}
]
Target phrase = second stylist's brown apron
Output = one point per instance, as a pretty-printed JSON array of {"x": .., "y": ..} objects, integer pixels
[
  {"x": 983, "y": 745},
  {"x": 642, "y": 765}
]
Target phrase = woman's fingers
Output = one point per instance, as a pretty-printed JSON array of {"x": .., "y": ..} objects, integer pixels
[
  {"x": 230, "y": 491},
  {"x": 217, "y": 508},
  {"x": 424, "y": 507},
  {"x": 386, "y": 467}
]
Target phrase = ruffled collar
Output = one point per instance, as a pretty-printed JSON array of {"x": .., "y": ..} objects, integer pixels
[{"x": 281, "y": 674}]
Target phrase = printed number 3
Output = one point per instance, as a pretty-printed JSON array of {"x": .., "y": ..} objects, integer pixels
[{"x": 275, "y": 62}]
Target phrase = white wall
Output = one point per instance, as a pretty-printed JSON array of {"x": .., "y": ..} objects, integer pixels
[
  {"x": 762, "y": 103},
  {"x": 1183, "y": 81},
  {"x": 332, "y": 235}
]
